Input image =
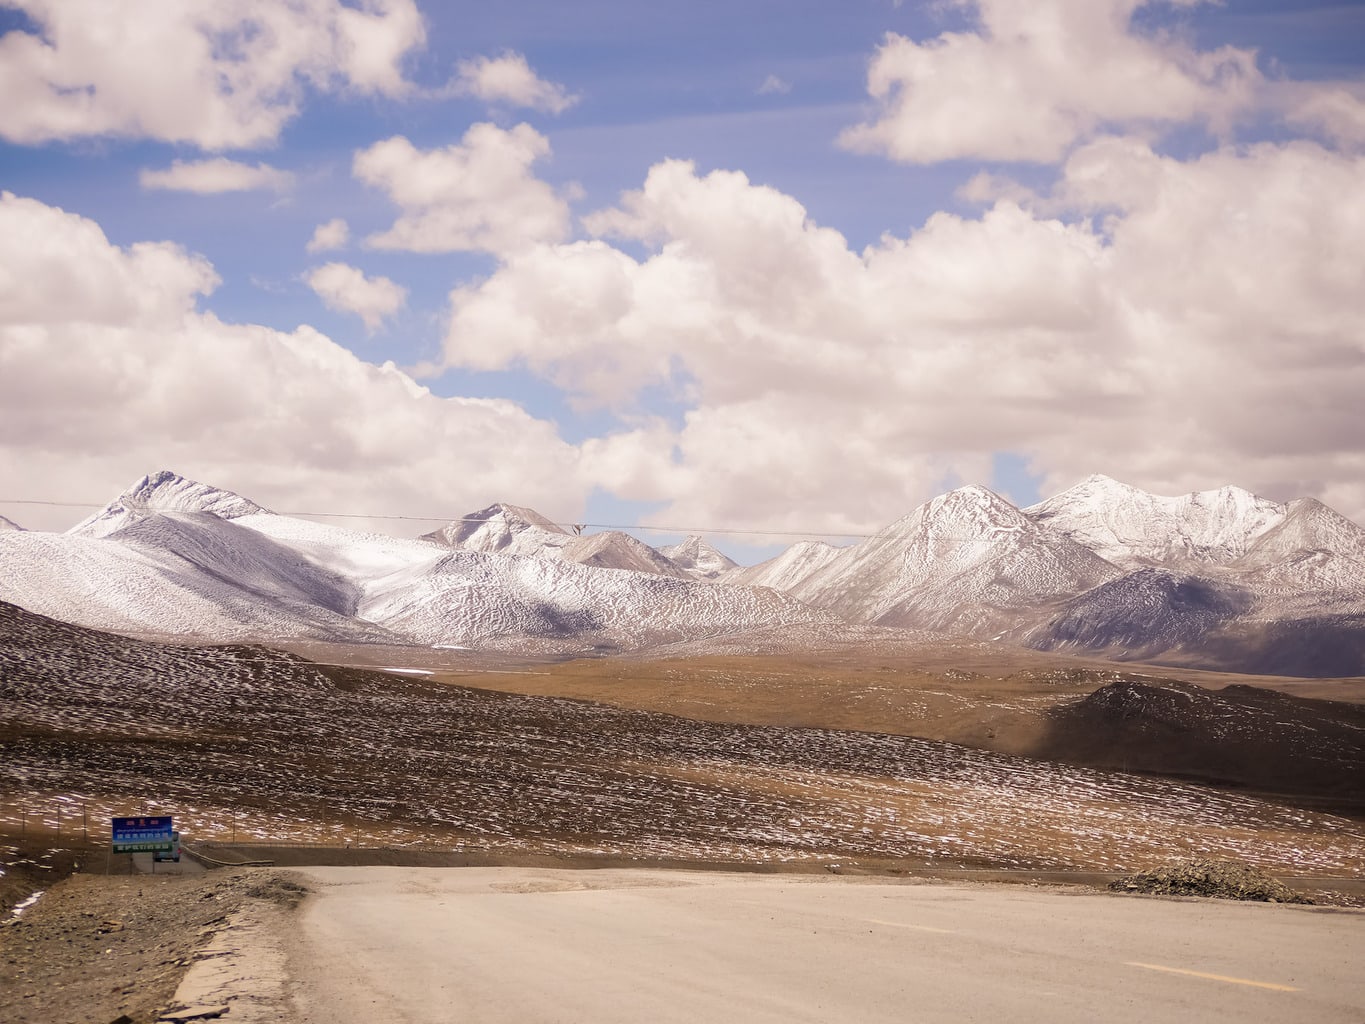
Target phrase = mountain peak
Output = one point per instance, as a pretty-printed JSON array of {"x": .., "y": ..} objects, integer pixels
[
  {"x": 698, "y": 558},
  {"x": 1129, "y": 526},
  {"x": 164, "y": 491},
  {"x": 971, "y": 507},
  {"x": 613, "y": 549},
  {"x": 502, "y": 529}
]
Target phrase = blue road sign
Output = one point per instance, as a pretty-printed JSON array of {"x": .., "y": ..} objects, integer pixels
[{"x": 137, "y": 835}]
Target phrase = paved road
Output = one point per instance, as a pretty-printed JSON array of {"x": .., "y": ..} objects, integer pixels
[
  {"x": 493, "y": 945},
  {"x": 145, "y": 865}
]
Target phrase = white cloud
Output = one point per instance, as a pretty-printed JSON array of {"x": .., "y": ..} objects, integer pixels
[
  {"x": 59, "y": 268},
  {"x": 1334, "y": 109},
  {"x": 1034, "y": 78},
  {"x": 332, "y": 235},
  {"x": 218, "y": 174},
  {"x": 108, "y": 371},
  {"x": 218, "y": 74},
  {"x": 774, "y": 85},
  {"x": 478, "y": 194},
  {"x": 509, "y": 79},
  {"x": 1183, "y": 325},
  {"x": 346, "y": 288}
]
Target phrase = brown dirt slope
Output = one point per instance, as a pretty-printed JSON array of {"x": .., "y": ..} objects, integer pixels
[{"x": 1310, "y": 751}]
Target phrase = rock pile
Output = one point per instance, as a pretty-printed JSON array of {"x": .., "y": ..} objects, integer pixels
[{"x": 1223, "y": 879}]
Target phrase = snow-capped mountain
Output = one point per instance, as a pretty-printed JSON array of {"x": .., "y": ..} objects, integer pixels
[
  {"x": 159, "y": 560},
  {"x": 784, "y": 571},
  {"x": 1145, "y": 613},
  {"x": 1312, "y": 552},
  {"x": 616, "y": 550},
  {"x": 1218, "y": 579},
  {"x": 503, "y": 529},
  {"x": 967, "y": 561},
  {"x": 1103, "y": 567},
  {"x": 1132, "y": 528},
  {"x": 9, "y": 524},
  {"x": 699, "y": 559},
  {"x": 513, "y": 530},
  {"x": 164, "y": 492}
]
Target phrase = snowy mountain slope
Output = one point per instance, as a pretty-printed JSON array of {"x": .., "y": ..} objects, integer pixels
[
  {"x": 473, "y": 599},
  {"x": 171, "y": 556},
  {"x": 1276, "y": 588},
  {"x": 503, "y": 529},
  {"x": 161, "y": 559},
  {"x": 238, "y": 558},
  {"x": 9, "y": 524},
  {"x": 1313, "y": 555},
  {"x": 613, "y": 549},
  {"x": 699, "y": 559},
  {"x": 140, "y": 584},
  {"x": 783, "y": 572},
  {"x": 1145, "y": 613},
  {"x": 356, "y": 555},
  {"x": 1215, "y": 576},
  {"x": 967, "y": 561},
  {"x": 164, "y": 491},
  {"x": 1132, "y": 528}
]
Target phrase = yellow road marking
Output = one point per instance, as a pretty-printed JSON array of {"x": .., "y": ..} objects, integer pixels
[
  {"x": 1215, "y": 977},
  {"x": 914, "y": 927}
]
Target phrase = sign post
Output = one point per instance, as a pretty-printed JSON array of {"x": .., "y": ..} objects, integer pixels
[{"x": 148, "y": 833}]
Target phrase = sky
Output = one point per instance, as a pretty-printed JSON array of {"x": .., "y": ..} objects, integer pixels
[{"x": 760, "y": 270}]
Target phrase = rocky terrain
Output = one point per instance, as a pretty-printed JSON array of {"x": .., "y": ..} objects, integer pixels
[
  {"x": 268, "y": 745},
  {"x": 100, "y": 949}
]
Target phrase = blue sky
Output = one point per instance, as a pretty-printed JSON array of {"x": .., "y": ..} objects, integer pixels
[{"x": 1002, "y": 303}]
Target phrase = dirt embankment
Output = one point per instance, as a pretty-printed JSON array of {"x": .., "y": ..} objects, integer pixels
[{"x": 96, "y": 949}]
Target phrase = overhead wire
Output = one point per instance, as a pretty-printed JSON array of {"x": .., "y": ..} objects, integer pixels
[{"x": 723, "y": 531}]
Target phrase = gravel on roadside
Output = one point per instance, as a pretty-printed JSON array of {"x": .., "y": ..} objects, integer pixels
[{"x": 96, "y": 949}]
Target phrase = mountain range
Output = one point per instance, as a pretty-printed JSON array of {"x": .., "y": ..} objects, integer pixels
[{"x": 1217, "y": 579}]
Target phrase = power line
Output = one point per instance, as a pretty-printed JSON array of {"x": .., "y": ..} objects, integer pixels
[{"x": 470, "y": 519}]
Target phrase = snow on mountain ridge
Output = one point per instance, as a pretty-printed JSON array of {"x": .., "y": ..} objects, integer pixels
[
  {"x": 1313, "y": 558},
  {"x": 698, "y": 558},
  {"x": 260, "y": 576},
  {"x": 503, "y": 529},
  {"x": 1133, "y": 528},
  {"x": 9, "y": 524},
  {"x": 613, "y": 549},
  {"x": 165, "y": 491},
  {"x": 172, "y": 574},
  {"x": 476, "y": 599},
  {"x": 513, "y": 530},
  {"x": 784, "y": 571},
  {"x": 966, "y": 560}
]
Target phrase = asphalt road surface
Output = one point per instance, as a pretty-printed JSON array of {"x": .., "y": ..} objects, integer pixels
[
  {"x": 144, "y": 864},
  {"x": 513, "y": 945}
]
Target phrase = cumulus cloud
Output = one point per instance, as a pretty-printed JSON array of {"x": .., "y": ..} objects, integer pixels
[
  {"x": 332, "y": 235},
  {"x": 1032, "y": 79},
  {"x": 216, "y": 175},
  {"x": 108, "y": 370},
  {"x": 478, "y": 194},
  {"x": 509, "y": 80},
  {"x": 1176, "y": 324},
  {"x": 346, "y": 288},
  {"x": 216, "y": 74}
]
